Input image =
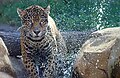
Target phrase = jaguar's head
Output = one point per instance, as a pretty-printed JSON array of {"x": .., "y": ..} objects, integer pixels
[{"x": 34, "y": 20}]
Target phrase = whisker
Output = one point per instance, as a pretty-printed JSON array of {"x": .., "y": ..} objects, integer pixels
[{"x": 20, "y": 28}]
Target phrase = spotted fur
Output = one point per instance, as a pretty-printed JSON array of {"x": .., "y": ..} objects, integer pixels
[{"x": 41, "y": 43}]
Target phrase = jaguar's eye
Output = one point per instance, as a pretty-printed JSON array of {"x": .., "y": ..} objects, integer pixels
[
  {"x": 41, "y": 23},
  {"x": 27, "y": 23}
]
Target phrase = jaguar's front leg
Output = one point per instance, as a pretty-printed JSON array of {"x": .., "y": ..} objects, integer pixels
[
  {"x": 30, "y": 67},
  {"x": 49, "y": 70}
]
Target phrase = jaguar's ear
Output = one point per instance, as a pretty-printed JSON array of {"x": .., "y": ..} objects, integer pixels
[
  {"x": 47, "y": 10},
  {"x": 21, "y": 12}
]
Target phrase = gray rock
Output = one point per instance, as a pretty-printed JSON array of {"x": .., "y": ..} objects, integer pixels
[
  {"x": 99, "y": 56},
  {"x": 6, "y": 67}
]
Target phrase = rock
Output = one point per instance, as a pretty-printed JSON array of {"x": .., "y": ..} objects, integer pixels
[
  {"x": 99, "y": 56},
  {"x": 12, "y": 42},
  {"x": 4, "y": 75},
  {"x": 6, "y": 68},
  {"x": 18, "y": 67},
  {"x": 11, "y": 37},
  {"x": 10, "y": 67}
]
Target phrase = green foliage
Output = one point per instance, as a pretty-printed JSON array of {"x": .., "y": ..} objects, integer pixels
[
  {"x": 9, "y": 10},
  {"x": 68, "y": 14}
]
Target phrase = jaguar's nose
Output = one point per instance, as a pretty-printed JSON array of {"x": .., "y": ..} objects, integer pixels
[{"x": 36, "y": 32}]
